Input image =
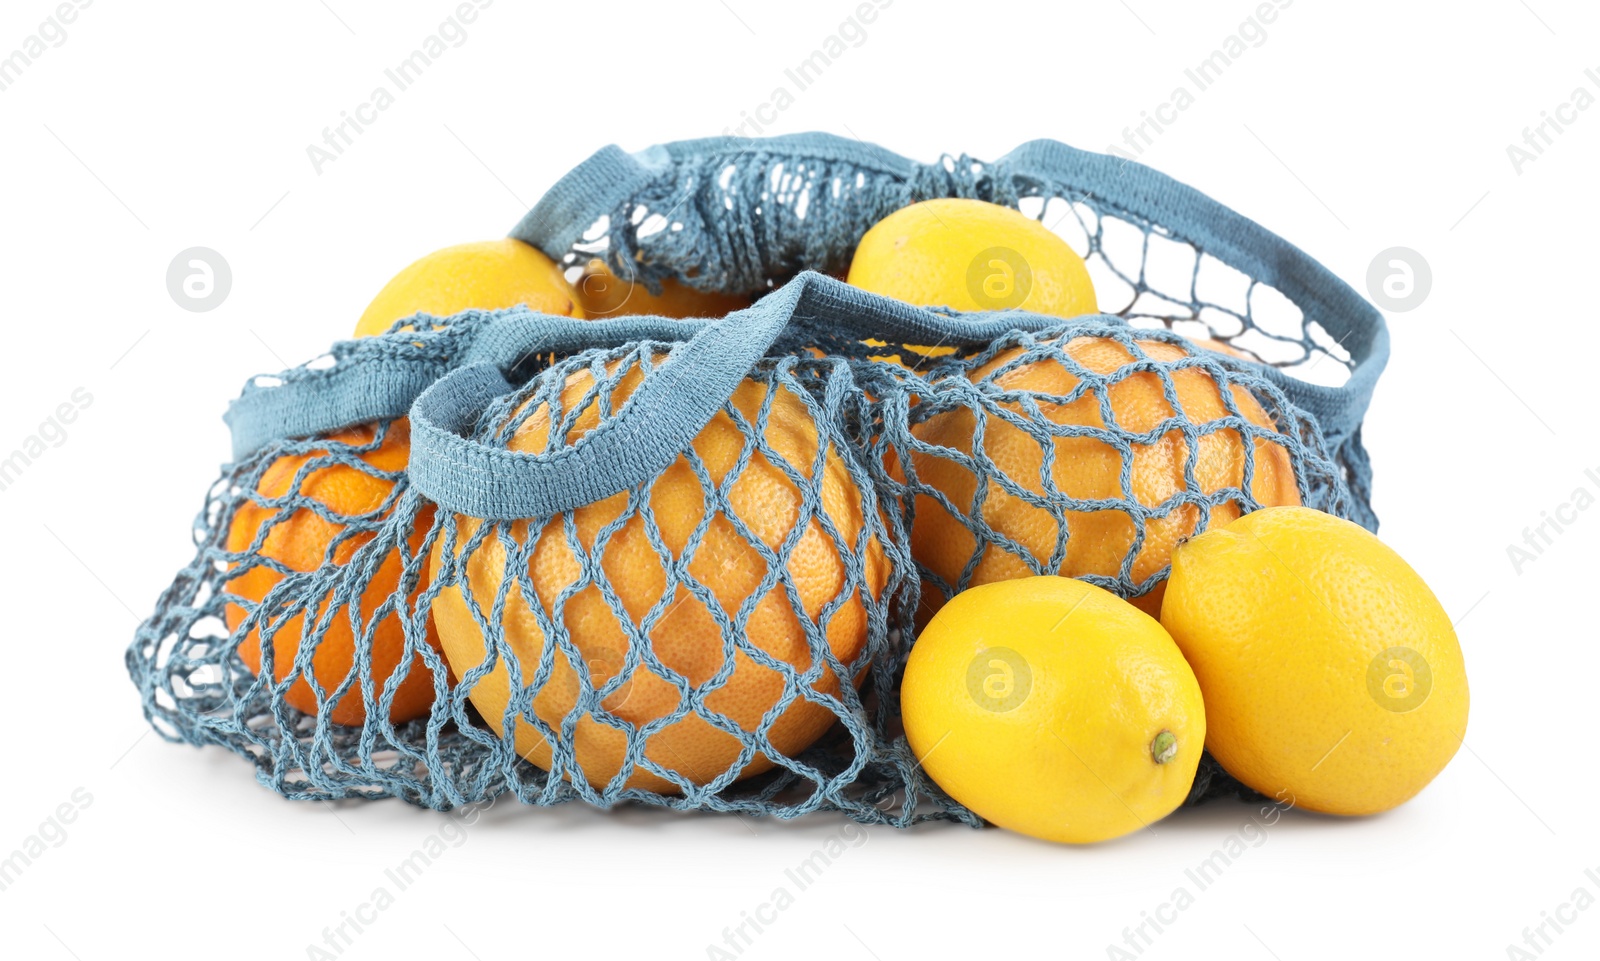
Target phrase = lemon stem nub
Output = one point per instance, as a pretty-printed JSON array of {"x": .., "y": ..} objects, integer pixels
[{"x": 1164, "y": 748}]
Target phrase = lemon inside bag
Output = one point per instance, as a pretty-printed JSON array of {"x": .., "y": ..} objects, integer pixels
[{"x": 745, "y": 220}]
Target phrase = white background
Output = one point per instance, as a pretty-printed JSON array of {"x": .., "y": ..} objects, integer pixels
[{"x": 1354, "y": 127}]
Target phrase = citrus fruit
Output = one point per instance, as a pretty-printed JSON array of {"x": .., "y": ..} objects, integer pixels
[
  {"x": 301, "y": 541},
  {"x": 686, "y": 639},
  {"x": 489, "y": 275},
  {"x": 1331, "y": 673},
  {"x": 1221, "y": 347},
  {"x": 601, "y": 294},
  {"x": 971, "y": 255},
  {"x": 1055, "y": 708},
  {"x": 1088, "y": 467}
]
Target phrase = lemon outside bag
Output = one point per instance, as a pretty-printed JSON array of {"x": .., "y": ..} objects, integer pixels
[{"x": 737, "y": 216}]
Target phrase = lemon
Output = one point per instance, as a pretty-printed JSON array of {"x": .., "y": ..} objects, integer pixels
[
  {"x": 1331, "y": 673},
  {"x": 972, "y": 255},
  {"x": 489, "y": 275},
  {"x": 1054, "y": 708}
]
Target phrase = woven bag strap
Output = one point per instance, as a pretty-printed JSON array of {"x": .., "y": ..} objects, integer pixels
[
  {"x": 597, "y": 186},
  {"x": 671, "y": 406}
]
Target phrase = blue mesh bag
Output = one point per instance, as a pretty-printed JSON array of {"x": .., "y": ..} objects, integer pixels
[{"x": 682, "y": 562}]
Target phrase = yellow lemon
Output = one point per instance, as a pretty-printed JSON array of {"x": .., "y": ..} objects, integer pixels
[
  {"x": 971, "y": 255},
  {"x": 490, "y": 275},
  {"x": 1054, "y": 708},
  {"x": 1331, "y": 673}
]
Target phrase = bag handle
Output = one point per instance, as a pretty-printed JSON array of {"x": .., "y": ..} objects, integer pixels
[
  {"x": 360, "y": 387},
  {"x": 669, "y": 409},
  {"x": 599, "y": 184},
  {"x": 380, "y": 378},
  {"x": 610, "y": 176},
  {"x": 383, "y": 378},
  {"x": 1246, "y": 246}
]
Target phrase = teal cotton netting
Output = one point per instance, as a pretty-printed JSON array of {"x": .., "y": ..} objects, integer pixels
[{"x": 471, "y": 487}]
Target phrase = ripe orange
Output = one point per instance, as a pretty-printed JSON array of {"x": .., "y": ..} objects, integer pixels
[
  {"x": 301, "y": 542},
  {"x": 601, "y": 294},
  {"x": 687, "y": 639},
  {"x": 489, "y": 275},
  {"x": 1088, "y": 468},
  {"x": 1221, "y": 347}
]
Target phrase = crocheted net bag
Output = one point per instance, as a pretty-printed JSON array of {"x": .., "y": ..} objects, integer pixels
[{"x": 624, "y": 400}]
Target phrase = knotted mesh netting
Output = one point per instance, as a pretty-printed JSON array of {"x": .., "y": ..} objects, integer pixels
[
  {"x": 682, "y": 562},
  {"x": 744, "y": 215}
]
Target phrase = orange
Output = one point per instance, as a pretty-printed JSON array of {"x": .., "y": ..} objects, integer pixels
[
  {"x": 1221, "y": 347},
  {"x": 601, "y": 294},
  {"x": 490, "y": 275},
  {"x": 686, "y": 639},
  {"x": 1088, "y": 468},
  {"x": 301, "y": 542}
]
